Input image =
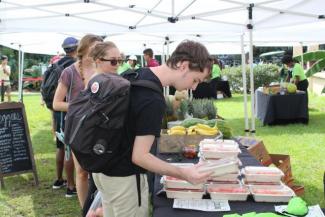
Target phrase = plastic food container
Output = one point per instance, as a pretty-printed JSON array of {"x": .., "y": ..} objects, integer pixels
[
  {"x": 220, "y": 167},
  {"x": 214, "y": 160},
  {"x": 184, "y": 193},
  {"x": 171, "y": 182},
  {"x": 230, "y": 177},
  {"x": 262, "y": 174},
  {"x": 219, "y": 150},
  {"x": 271, "y": 193},
  {"x": 233, "y": 192},
  {"x": 219, "y": 142}
]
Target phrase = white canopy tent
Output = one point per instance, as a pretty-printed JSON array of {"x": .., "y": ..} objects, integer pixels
[{"x": 273, "y": 21}]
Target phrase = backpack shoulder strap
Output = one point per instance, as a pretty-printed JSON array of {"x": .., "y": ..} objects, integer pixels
[
  {"x": 132, "y": 76},
  {"x": 68, "y": 60}
]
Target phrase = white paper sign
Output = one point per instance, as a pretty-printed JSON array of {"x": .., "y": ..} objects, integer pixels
[
  {"x": 313, "y": 211},
  {"x": 202, "y": 205}
]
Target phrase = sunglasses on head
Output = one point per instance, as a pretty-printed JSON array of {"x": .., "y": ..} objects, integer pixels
[{"x": 113, "y": 62}]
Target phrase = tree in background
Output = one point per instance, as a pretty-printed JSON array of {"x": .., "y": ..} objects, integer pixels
[{"x": 30, "y": 61}]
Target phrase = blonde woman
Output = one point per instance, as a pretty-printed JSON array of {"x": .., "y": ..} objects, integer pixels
[
  {"x": 107, "y": 59},
  {"x": 74, "y": 79}
]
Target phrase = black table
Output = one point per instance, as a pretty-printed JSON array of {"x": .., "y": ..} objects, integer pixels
[
  {"x": 209, "y": 89},
  {"x": 162, "y": 206},
  {"x": 282, "y": 109}
]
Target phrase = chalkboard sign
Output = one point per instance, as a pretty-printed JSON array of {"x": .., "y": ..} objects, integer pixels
[{"x": 16, "y": 153}]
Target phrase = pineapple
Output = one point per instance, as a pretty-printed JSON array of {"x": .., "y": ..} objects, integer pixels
[
  {"x": 211, "y": 110},
  {"x": 169, "y": 110},
  {"x": 198, "y": 109}
]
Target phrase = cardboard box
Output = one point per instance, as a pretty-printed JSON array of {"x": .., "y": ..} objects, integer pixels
[
  {"x": 175, "y": 143},
  {"x": 282, "y": 162},
  {"x": 259, "y": 152}
]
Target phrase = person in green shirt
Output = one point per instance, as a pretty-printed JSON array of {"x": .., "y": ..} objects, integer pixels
[
  {"x": 298, "y": 73},
  {"x": 216, "y": 71},
  {"x": 132, "y": 61}
]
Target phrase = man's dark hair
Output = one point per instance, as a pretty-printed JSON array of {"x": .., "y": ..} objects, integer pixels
[
  {"x": 4, "y": 57},
  {"x": 70, "y": 49},
  {"x": 287, "y": 59},
  {"x": 148, "y": 52},
  {"x": 194, "y": 52}
]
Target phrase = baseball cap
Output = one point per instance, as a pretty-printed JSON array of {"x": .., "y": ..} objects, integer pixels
[
  {"x": 132, "y": 57},
  {"x": 69, "y": 42}
]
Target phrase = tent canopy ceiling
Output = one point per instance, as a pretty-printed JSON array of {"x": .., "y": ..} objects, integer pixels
[{"x": 43, "y": 24}]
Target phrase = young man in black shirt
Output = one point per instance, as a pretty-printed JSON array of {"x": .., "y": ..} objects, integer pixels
[{"x": 187, "y": 67}]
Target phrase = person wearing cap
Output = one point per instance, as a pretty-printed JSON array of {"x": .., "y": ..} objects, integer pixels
[
  {"x": 5, "y": 77},
  {"x": 148, "y": 56},
  {"x": 69, "y": 46},
  {"x": 132, "y": 61}
]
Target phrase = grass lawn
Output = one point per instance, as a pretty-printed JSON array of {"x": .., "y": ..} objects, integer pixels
[{"x": 304, "y": 144}]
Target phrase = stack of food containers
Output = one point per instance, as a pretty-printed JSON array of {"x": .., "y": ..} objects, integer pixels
[
  {"x": 224, "y": 183},
  {"x": 265, "y": 184},
  {"x": 222, "y": 152},
  {"x": 181, "y": 189}
]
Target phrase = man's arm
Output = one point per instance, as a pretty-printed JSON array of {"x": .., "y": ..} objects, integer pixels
[
  {"x": 142, "y": 157},
  {"x": 7, "y": 70}
]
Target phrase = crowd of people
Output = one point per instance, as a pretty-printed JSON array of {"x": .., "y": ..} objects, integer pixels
[
  {"x": 124, "y": 188},
  {"x": 189, "y": 65}
]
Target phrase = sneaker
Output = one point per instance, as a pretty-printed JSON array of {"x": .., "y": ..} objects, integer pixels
[
  {"x": 71, "y": 192},
  {"x": 59, "y": 184}
]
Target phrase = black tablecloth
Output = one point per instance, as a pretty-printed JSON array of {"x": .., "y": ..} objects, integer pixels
[
  {"x": 209, "y": 89},
  {"x": 162, "y": 206},
  {"x": 282, "y": 109}
]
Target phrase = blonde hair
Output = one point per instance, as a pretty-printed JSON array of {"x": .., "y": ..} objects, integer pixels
[
  {"x": 100, "y": 49},
  {"x": 83, "y": 47}
]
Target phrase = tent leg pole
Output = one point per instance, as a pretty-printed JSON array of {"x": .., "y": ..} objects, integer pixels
[
  {"x": 251, "y": 72},
  {"x": 243, "y": 64}
]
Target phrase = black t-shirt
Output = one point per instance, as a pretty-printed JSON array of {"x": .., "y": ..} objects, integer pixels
[{"x": 146, "y": 111}]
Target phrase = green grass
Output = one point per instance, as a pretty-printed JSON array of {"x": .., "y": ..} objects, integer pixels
[
  {"x": 304, "y": 144},
  {"x": 21, "y": 197}
]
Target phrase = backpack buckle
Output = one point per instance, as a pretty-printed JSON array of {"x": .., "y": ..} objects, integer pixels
[{"x": 105, "y": 116}]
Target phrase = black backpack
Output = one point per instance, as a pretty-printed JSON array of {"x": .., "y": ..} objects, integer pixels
[
  {"x": 50, "y": 81},
  {"x": 95, "y": 120}
]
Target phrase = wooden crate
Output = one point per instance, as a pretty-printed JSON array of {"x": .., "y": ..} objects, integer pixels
[{"x": 175, "y": 143}]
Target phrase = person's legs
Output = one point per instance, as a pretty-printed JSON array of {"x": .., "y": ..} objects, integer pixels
[
  {"x": 8, "y": 92},
  {"x": 81, "y": 182},
  {"x": 120, "y": 195},
  {"x": 59, "y": 160},
  {"x": 90, "y": 196},
  {"x": 69, "y": 170}
]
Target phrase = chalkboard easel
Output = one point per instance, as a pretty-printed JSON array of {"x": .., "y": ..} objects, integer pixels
[{"x": 16, "y": 152}]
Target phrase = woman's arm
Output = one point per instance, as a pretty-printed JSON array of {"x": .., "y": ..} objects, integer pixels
[{"x": 59, "y": 103}]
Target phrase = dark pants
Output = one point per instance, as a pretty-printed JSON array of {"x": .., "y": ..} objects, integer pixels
[
  {"x": 303, "y": 85},
  {"x": 59, "y": 123}
]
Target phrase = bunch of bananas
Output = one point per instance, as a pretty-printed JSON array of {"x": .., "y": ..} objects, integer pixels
[
  {"x": 205, "y": 130},
  {"x": 177, "y": 130},
  {"x": 198, "y": 129}
]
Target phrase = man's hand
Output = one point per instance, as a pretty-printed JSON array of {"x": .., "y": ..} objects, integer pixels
[{"x": 193, "y": 175}]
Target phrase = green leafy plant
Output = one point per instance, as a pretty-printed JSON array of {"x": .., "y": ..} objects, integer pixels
[
  {"x": 318, "y": 59},
  {"x": 263, "y": 74}
]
